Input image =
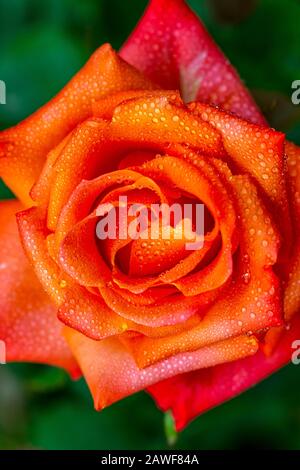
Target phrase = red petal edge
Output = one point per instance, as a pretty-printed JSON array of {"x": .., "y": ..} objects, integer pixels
[
  {"x": 172, "y": 47},
  {"x": 28, "y": 323}
]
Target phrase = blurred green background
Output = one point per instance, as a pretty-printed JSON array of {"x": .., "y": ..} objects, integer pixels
[{"x": 42, "y": 44}]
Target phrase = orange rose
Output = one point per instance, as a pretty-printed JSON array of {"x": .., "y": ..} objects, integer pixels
[{"x": 195, "y": 327}]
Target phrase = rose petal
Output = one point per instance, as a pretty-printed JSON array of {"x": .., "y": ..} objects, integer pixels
[
  {"x": 40, "y": 192},
  {"x": 292, "y": 290},
  {"x": 79, "y": 255},
  {"x": 153, "y": 257},
  {"x": 89, "y": 314},
  {"x": 158, "y": 121},
  {"x": 105, "y": 107},
  {"x": 78, "y": 160},
  {"x": 168, "y": 311},
  {"x": 171, "y": 46},
  {"x": 28, "y": 319},
  {"x": 33, "y": 231},
  {"x": 112, "y": 374},
  {"x": 84, "y": 197}
]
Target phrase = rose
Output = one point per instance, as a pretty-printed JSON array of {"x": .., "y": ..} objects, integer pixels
[{"x": 194, "y": 328}]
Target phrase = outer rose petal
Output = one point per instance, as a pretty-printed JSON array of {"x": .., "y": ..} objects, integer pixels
[
  {"x": 172, "y": 47},
  {"x": 23, "y": 148},
  {"x": 112, "y": 374},
  {"x": 28, "y": 321},
  {"x": 292, "y": 291},
  {"x": 189, "y": 395}
]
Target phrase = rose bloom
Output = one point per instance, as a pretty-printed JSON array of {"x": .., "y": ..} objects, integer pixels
[{"x": 166, "y": 120}]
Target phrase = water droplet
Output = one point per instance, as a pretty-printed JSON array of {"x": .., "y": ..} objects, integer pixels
[{"x": 246, "y": 277}]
